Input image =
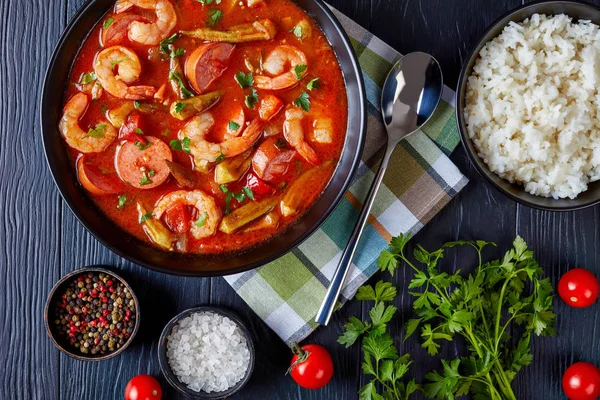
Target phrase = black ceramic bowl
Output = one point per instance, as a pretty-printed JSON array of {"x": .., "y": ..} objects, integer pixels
[
  {"x": 575, "y": 9},
  {"x": 174, "y": 381},
  {"x": 58, "y": 289},
  {"x": 151, "y": 257}
]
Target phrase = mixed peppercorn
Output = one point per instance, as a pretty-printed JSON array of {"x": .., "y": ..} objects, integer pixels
[{"x": 96, "y": 314}]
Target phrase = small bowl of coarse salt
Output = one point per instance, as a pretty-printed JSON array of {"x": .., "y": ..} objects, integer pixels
[{"x": 206, "y": 353}]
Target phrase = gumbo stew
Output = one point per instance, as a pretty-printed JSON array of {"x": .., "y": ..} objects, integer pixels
[{"x": 205, "y": 126}]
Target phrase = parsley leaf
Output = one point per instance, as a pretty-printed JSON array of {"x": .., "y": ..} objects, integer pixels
[
  {"x": 299, "y": 69},
  {"x": 234, "y": 126},
  {"x": 177, "y": 53},
  {"x": 313, "y": 84},
  {"x": 142, "y": 146},
  {"x": 108, "y": 22},
  {"x": 145, "y": 217},
  {"x": 181, "y": 145},
  {"x": 252, "y": 99},
  {"x": 186, "y": 93},
  {"x": 220, "y": 158},
  {"x": 122, "y": 201},
  {"x": 164, "y": 45},
  {"x": 303, "y": 101},
  {"x": 139, "y": 131},
  {"x": 96, "y": 132},
  {"x": 208, "y": 2},
  {"x": 248, "y": 192},
  {"x": 113, "y": 64},
  {"x": 145, "y": 180},
  {"x": 87, "y": 78},
  {"x": 244, "y": 80},
  {"x": 214, "y": 16},
  {"x": 202, "y": 220},
  {"x": 179, "y": 106}
]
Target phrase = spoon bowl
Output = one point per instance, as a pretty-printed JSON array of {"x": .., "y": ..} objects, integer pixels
[{"x": 410, "y": 95}]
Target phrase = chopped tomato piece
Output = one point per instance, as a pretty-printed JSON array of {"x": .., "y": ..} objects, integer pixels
[
  {"x": 178, "y": 217},
  {"x": 258, "y": 187},
  {"x": 132, "y": 130},
  {"x": 269, "y": 107}
]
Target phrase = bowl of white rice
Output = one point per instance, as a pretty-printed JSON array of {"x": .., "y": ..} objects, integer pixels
[
  {"x": 206, "y": 353},
  {"x": 529, "y": 106}
]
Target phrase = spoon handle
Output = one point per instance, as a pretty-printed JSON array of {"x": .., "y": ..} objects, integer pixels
[{"x": 339, "y": 276}]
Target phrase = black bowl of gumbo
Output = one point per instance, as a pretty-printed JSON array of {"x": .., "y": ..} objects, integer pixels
[{"x": 92, "y": 314}]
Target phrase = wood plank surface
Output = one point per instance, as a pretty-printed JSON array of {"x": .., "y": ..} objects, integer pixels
[{"x": 41, "y": 240}]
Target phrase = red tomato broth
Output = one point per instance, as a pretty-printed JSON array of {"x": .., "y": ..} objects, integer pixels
[{"x": 329, "y": 99}]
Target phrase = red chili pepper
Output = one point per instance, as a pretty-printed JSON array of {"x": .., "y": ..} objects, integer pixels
[{"x": 258, "y": 186}]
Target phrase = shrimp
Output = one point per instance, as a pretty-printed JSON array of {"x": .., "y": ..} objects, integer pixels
[
  {"x": 204, "y": 203},
  {"x": 96, "y": 139},
  {"x": 128, "y": 69},
  {"x": 294, "y": 134},
  {"x": 275, "y": 64},
  {"x": 122, "y": 5},
  {"x": 155, "y": 32},
  {"x": 204, "y": 151}
]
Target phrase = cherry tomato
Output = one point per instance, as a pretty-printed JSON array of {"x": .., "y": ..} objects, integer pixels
[
  {"x": 578, "y": 288},
  {"x": 311, "y": 366},
  {"x": 143, "y": 387},
  {"x": 178, "y": 217},
  {"x": 581, "y": 381}
]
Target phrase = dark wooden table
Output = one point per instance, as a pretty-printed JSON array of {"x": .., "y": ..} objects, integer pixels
[{"x": 41, "y": 240}]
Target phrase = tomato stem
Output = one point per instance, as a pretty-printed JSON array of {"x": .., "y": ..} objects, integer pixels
[{"x": 302, "y": 356}]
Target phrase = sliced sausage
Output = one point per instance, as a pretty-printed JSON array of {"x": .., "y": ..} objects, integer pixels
[
  {"x": 272, "y": 159},
  {"x": 207, "y": 63},
  {"x": 143, "y": 166},
  {"x": 94, "y": 181},
  {"x": 118, "y": 29}
]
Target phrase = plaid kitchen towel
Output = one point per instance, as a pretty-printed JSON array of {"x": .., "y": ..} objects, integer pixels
[{"x": 420, "y": 180}]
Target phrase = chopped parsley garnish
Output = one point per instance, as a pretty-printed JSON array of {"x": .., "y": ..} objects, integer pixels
[
  {"x": 136, "y": 104},
  {"x": 177, "y": 52},
  {"x": 234, "y": 126},
  {"x": 97, "y": 132},
  {"x": 186, "y": 93},
  {"x": 164, "y": 45},
  {"x": 115, "y": 63},
  {"x": 214, "y": 16},
  {"x": 251, "y": 99},
  {"x": 151, "y": 173},
  {"x": 244, "y": 80},
  {"x": 88, "y": 78},
  {"x": 281, "y": 144},
  {"x": 108, "y": 22},
  {"x": 239, "y": 197},
  {"x": 202, "y": 220},
  {"x": 142, "y": 146},
  {"x": 122, "y": 201},
  {"x": 139, "y": 131},
  {"x": 221, "y": 158},
  {"x": 146, "y": 217},
  {"x": 313, "y": 84},
  {"x": 303, "y": 101},
  {"x": 179, "y": 107},
  {"x": 181, "y": 145},
  {"x": 248, "y": 192},
  {"x": 299, "y": 69},
  {"x": 298, "y": 31},
  {"x": 145, "y": 180}
]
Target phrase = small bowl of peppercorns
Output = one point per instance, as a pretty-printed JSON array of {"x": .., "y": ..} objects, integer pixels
[{"x": 92, "y": 314}]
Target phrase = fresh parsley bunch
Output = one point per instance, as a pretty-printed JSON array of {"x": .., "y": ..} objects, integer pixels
[
  {"x": 381, "y": 356},
  {"x": 499, "y": 299}
]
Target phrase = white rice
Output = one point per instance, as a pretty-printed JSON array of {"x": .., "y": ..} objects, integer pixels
[
  {"x": 208, "y": 352},
  {"x": 532, "y": 105}
]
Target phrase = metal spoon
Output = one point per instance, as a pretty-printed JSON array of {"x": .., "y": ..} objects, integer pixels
[{"x": 410, "y": 95}]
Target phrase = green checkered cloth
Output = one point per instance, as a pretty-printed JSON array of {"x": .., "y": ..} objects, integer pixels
[{"x": 419, "y": 182}]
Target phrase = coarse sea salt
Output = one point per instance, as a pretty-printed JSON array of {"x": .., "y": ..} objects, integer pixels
[{"x": 208, "y": 352}]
